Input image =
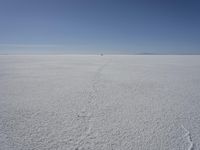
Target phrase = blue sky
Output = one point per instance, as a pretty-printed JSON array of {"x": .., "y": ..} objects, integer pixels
[{"x": 95, "y": 26}]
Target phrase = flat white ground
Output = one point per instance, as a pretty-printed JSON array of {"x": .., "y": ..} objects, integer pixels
[{"x": 99, "y": 102}]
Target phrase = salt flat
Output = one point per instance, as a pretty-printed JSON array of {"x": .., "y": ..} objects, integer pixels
[{"x": 81, "y": 102}]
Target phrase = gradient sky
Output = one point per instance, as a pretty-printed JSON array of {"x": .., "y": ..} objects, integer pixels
[{"x": 95, "y": 26}]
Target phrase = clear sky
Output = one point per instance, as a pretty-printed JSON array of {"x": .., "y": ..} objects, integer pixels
[{"x": 95, "y": 26}]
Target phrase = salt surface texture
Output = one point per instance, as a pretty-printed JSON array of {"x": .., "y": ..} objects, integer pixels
[{"x": 99, "y": 103}]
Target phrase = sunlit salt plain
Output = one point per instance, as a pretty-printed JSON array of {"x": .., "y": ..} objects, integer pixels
[{"x": 81, "y": 102}]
